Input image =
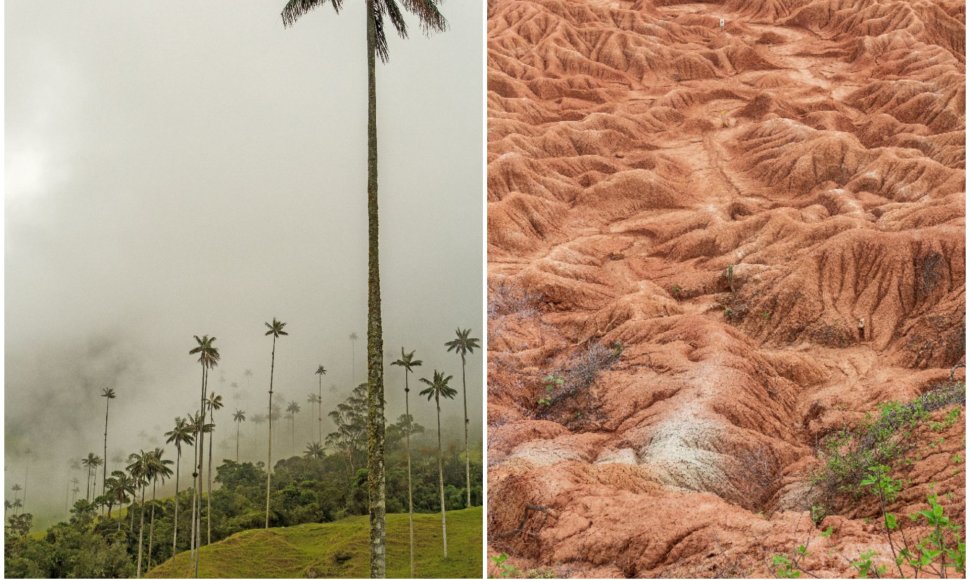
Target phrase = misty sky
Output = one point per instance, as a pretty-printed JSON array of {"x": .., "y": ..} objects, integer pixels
[{"x": 181, "y": 168}]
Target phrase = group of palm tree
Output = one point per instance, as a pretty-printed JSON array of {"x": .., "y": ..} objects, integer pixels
[
  {"x": 431, "y": 20},
  {"x": 148, "y": 468}
]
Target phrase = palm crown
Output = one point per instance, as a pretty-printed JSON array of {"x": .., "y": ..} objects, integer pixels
[
  {"x": 214, "y": 402},
  {"x": 108, "y": 393},
  {"x": 276, "y": 329},
  {"x": 239, "y": 416},
  {"x": 407, "y": 361},
  {"x": 463, "y": 344},
  {"x": 313, "y": 451},
  {"x": 426, "y": 11},
  {"x": 208, "y": 354},
  {"x": 181, "y": 433},
  {"x": 321, "y": 371},
  {"x": 293, "y": 408},
  {"x": 438, "y": 387}
]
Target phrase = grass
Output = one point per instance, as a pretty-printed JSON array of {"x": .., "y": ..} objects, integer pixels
[{"x": 340, "y": 550}]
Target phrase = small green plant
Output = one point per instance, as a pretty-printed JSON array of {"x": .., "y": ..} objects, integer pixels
[
  {"x": 766, "y": 315},
  {"x": 957, "y": 458},
  {"x": 552, "y": 383},
  {"x": 676, "y": 291},
  {"x": 505, "y": 570},
  {"x": 865, "y": 567},
  {"x": 784, "y": 567},
  {"x": 818, "y": 513},
  {"x": 729, "y": 274}
]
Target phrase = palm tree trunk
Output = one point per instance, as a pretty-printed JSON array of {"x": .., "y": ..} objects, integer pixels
[
  {"x": 151, "y": 528},
  {"x": 104, "y": 476},
  {"x": 237, "y": 441},
  {"x": 468, "y": 469},
  {"x": 175, "y": 533},
  {"x": 208, "y": 475},
  {"x": 375, "y": 346},
  {"x": 320, "y": 412},
  {"x": 269, "y": 453},
  {"x": 141, "y": 529},
  {"x": 407, "y": 443},
  {"x": 441, "y": 483},
  {"x": 131, "y": 510},
  {"x": 201, "y": 445}
]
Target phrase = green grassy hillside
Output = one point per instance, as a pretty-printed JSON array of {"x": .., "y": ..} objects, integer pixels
[{"x": 339, "y": 550}]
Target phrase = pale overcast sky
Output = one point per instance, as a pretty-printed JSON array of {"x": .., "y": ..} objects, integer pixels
[{"x": 180, "y": 168}]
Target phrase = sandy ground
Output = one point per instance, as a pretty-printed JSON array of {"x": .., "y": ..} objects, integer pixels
[{"x": 727, "y": 204}]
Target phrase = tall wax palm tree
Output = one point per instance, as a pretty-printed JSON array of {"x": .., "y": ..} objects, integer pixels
[
  {"x": 408, "y": 363},
  {"x": 75, "y": 490},
  {"x": 437, "y": 388},
  {"x": 431, "y": 20},
  {"x": 208, "y": 358},
  {"x": 292, "y": 409},
  {"x": 275, "y": 329},
  {"x": 158, "y": 468},
  {"x": 108, "y": 394},
  {"x": 320, "y": 372},
  {"x": 139, "y": 468},
  {"x": 214, "y": 403},
  {"x": 181, "y": 434},
  {"x": 238, "y": 417},
  {"x": 464, "y": 344}
]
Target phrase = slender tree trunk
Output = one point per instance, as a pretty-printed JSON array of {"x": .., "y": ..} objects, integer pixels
[
  {"x": 468, "y": 469},
  {"x": 320, "y": 412},
  {"x": 237, "y": 441},
  {"x": 407, "y": 443},
  {"x": 151, "y": 528},
  {"x": 269, "y": 454},
  {"x": 441, "y": 483},
  {"x": 141, "y": 529},
  {"x": 131, "y": 511},
  {"x": 208, "y": 475},
  {"x": 201, "y": 445},
  {"x": 175, "y": 533},
  {"x": 375, "y": 342},
  {"x": 104, "y": 476}
]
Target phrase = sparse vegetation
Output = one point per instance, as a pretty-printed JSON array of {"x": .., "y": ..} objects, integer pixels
[
  {"x": 859, "y": 462},
  {"x": 577, "y": 375}
]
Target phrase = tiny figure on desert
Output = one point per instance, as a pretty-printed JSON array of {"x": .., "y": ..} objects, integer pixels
[
  {"x": 862, "y": 330},
  {"x": 722, "y": 24}
]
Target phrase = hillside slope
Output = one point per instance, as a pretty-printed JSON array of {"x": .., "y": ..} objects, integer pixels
[
  {"x": 339, "y": 550},
  {"x": 719, "y": 209}
]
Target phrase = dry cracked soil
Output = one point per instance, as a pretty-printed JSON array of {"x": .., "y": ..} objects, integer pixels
[{"x": 688, "y": 224}]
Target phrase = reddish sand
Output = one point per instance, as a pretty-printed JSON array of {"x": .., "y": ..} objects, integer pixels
[{"x": 636, "y": 150}]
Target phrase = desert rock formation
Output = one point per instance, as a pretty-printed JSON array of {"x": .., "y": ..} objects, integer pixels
[{"x": 708, "y": 215}]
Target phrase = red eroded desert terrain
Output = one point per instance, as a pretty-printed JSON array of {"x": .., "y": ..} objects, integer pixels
[{"x": 686, "y": 225}]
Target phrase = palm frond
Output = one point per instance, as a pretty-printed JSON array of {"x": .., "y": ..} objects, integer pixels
[
  {"x": 296, "y": 9},
  {"x": 397, "y": 17},
  {"x": 428, "y": 14}
]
